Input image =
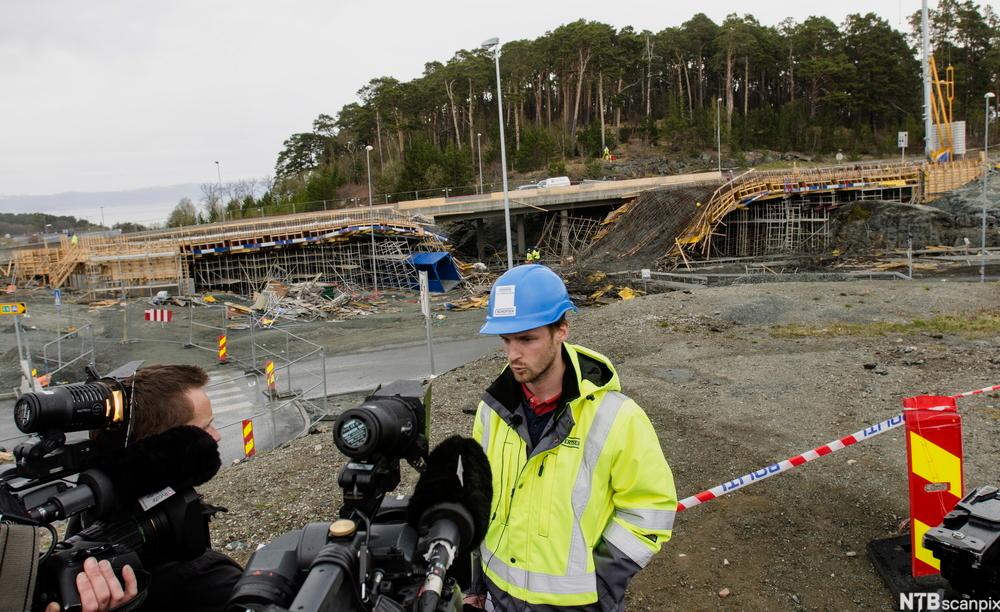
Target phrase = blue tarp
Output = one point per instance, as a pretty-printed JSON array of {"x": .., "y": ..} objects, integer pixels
[{"x": 442, "y": 275}]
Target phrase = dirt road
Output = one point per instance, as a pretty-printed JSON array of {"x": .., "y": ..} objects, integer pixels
[{"x": 733, "y": 378}]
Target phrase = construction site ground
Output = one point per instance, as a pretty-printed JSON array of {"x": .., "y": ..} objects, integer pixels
[{"x": 733, "y": 378}]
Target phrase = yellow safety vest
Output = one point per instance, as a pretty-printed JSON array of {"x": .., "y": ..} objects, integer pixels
[{"x": 606, "y": 478}]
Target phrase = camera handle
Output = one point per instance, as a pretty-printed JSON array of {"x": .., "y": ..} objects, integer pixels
[
  {"x": 332, "y": 581},
  {"x": 77, "y": 552}
]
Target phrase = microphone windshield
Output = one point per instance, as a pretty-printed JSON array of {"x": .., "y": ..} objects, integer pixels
[
  {"x": 457, "y": 472},
  {"x": 180, "y": 457}
]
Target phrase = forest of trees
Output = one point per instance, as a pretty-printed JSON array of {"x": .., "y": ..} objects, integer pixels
[{"x": 812, "y": 87}]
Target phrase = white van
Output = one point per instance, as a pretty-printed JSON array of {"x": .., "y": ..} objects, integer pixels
[{"x": 556, "y": 181}]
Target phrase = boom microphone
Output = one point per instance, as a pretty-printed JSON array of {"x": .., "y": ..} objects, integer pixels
[{"x": 450, "y": 508}]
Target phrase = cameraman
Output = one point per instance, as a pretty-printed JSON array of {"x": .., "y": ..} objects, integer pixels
[{"x": 165, "y": 397}]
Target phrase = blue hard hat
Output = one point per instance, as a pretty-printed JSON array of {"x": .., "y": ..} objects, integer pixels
[{"x": 524, "y": 298}]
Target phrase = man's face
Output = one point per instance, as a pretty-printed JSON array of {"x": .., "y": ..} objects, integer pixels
[
  {"x": 531, "y": 353},
  {"x": 202, "y": 417}
]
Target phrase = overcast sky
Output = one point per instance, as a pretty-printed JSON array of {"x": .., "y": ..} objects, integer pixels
[{"x": 105, "y": 95}]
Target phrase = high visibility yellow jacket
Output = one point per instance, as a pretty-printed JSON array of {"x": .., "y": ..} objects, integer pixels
[{"x": 596, "y": 477}]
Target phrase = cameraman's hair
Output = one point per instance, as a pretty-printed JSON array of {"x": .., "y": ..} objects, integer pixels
[{"x": 159, "y": 401}]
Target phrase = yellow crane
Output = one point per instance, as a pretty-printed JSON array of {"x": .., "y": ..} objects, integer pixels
[{"x": 942, "y": 100}]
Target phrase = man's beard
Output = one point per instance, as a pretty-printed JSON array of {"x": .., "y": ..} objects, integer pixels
[{"x": 528, "y": 377}]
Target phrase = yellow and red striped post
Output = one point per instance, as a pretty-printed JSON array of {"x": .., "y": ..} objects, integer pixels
[
  {"x": 248, "y": 446},
  {"x": 934, "y": 463},
  {"x": 272, "y": 390},
  {"x": 223, "y": 351}
]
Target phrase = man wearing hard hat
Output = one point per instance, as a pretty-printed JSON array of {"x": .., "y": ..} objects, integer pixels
[{"x": 582, "y": 494}]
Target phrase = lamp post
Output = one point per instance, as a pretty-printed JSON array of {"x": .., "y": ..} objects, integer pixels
[
  {"x": 479, "y": 145},
  {"x": 494, "y": 44},
  {"x": 986, "y": 174},
  {"x": 718, "y": 131},
  {"x": 222, "y": 207},
  {"x": 371, "y": 210}
]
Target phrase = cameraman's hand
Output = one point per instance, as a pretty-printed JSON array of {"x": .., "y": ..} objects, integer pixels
[{"x": 100, "y": 589}]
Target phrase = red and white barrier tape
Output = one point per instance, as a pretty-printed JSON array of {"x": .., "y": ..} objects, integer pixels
[
  {"x": 816, "y": 453},
  {"x": 792, "y": 462},
  {"x": 976, "y": 392}
]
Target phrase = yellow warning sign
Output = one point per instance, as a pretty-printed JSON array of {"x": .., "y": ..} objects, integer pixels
[{"x": 13, "y": 308}]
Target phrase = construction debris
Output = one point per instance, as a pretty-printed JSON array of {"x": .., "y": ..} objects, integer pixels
[
  {"x": 469, "y": 303},
  {"x": 304, "y": 301}
]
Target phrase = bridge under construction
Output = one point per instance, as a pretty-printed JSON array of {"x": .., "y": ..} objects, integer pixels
[{"x": 754, "y": 213}]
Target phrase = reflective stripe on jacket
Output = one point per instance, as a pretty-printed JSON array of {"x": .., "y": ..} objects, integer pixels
[{"x": 597, "y": 474}]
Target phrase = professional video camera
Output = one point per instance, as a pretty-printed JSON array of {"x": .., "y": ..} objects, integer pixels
[
  {"x": 967, "y": 543},
  {"x": 389, "y": 556},
  {"x": 138, "y": 500}
]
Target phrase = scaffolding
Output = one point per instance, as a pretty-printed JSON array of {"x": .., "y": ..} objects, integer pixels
[
  {"x": 900, "y": 181},
  {"x": 565, "y": 236},
  {"x": 239, "y": 256},
  {"x": 347, "y": 265},
  {"x": 772, "y": 227}
]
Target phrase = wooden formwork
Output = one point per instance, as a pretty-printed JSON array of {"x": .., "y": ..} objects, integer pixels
[{"x": 941, "y": 178}]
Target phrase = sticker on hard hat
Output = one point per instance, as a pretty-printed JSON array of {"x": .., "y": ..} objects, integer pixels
[{"x": 503, "y": 301}]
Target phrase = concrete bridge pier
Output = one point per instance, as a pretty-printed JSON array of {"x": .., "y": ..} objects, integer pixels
[
  {"x": 522, "y": 246},
  {"x": 480, "y": 239},
  {"x": 564, "y": 233}
]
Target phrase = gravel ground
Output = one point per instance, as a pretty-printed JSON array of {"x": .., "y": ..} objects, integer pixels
[{"x": 728, "y": 393}]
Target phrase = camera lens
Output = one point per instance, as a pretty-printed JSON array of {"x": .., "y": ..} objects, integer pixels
[
  {"x": 354, "y": 433},
  {"x": 382, "y": 426},
  {"x": 77, "y": 407},
  {"x": 24, "y": 413}
]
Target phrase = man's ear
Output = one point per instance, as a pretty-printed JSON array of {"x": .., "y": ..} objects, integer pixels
[{"x": 562, "y": 331}]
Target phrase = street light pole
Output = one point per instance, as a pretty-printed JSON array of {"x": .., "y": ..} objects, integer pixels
[
  {"x": 102, "y": 217},
  {"x": 494, "y": 43},
  {"x": 718, "y": 131},
  {"x": 371, "y": 210},
  {"x": 222, "y": 206},
  {"x": 479, "y": 145},
  {"x": 986, "y": 175}
]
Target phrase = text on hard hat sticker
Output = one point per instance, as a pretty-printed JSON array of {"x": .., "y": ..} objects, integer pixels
[{"x": 503, "y": 301}]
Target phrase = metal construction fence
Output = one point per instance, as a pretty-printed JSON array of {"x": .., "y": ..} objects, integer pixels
[{"x": 255, "y": 352}]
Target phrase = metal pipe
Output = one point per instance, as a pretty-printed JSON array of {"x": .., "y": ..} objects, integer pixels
[{"x": 926, "y": 46}]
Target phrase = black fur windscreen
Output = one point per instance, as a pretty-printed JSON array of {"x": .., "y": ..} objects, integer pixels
[
  {"x": 180, "y": 457},
  {"x": 472, "y": 487}
]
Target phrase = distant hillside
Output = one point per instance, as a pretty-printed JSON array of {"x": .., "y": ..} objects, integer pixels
[{"x": 147, "y": 205}]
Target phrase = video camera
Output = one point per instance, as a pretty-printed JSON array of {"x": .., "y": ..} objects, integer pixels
[
  {"x": 138, "y": 512},
  {"x": 382, "y": 555}
]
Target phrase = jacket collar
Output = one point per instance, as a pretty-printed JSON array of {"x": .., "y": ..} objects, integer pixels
[{"x": 586, "y": 373}]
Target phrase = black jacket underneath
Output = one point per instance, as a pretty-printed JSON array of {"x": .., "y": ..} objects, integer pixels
[{"x": 203, "y": 584}]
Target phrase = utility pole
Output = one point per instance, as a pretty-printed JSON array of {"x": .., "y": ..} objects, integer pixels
[
  {"x": 986, "y": 179},
  {"x": 222, "y": 205}
]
